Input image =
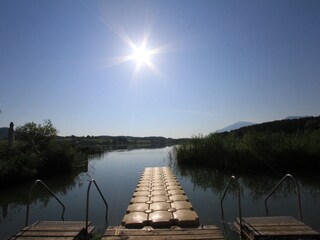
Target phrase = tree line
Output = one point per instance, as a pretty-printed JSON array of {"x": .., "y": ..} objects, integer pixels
[{"x": 101, "y": 143}]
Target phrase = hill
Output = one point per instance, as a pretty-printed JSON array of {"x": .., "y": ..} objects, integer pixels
[
  {"x": 295, "y": 117},
  {"x": 235, "y": 126},
  {"x": 284, "y": 126}
]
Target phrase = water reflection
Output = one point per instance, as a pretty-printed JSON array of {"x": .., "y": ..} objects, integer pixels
[
  {"x": 18, "y": 195},
  {"x": 257, "y": 186},
  {"x": 254, "y": 189},
  {"x": 14, "y": 200},
  {"x": 118, "y": 172}
]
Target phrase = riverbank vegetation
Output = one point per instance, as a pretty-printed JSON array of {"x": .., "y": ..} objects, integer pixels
[
  {"x": 281, "y": 146},
  {"x": 37, "y": 152},
  {"x": 96, "y": 144}
]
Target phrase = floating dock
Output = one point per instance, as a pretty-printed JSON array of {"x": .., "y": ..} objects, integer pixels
[
  {"x": 159, "y": 209},
  {"x": 159, "y": 201}
]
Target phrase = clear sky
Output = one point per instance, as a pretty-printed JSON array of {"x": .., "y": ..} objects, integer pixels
[{"x": 204, "y": 64}]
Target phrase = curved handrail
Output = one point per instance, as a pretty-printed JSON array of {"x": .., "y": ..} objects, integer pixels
[
  {"x": 233, "y": 178},
  {"x": 87, "y": 204},
  {"x": 298, "y": 194},
  {"x": 49, "y": 190}
]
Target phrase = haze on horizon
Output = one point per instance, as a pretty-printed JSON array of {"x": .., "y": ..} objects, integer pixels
[{"x": 157, "y": 68}]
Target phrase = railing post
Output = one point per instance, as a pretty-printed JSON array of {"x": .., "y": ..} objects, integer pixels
[
  {"x": 49, "y": 190},
  {"x": 298, "y": 194},
  {"x": 233, "y": 178},
  {"x": 87, "y": 204}
]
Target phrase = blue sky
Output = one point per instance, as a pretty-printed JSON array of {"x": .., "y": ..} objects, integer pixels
[{"x": 217, "y": 62}]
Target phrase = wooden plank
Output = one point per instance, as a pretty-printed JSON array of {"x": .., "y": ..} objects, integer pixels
[
  {"x": 70, "y": 229},
  {"x": 66, "y": 229},
  {"x": 53, "y": 230},
  {"x": 174, "y": 228},
  {"x": 184, "y": 237},
  {"x": 208, "y": 232},
  {"x": 287, "y": 233},
  {"x": 44, "y": 238},
  {"x": 163, "y": 232},
  {"x": 23, "y": 230},
  {"x": 279, "y": 228},
  {"x": 256, "y": 228},
  {"x": 50, "y": 234},
  {"x": 291, "y": 228},
  {"x": 278, "y": 220},
  {"x": 168, "y": 236},
  {"x": 274, "y": 224},
  {"x": 48, "y": 224}
]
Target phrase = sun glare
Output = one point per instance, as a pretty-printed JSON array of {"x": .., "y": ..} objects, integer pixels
[{"x": 141, "y": 55}]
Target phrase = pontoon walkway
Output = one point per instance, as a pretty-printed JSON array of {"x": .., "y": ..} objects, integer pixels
[{"x": 160, "y": 209}]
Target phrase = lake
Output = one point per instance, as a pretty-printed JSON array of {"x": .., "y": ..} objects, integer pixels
[{"x": 117, "y": 174}]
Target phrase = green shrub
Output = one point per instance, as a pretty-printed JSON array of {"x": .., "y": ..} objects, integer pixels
[{"x": 37, "y": 153}]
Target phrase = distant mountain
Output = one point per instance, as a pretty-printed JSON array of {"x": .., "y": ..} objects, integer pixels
[
  {"x": 295, "y": 117},
  {"x": 4, "y": 132},
  {"x": 235, "y": 126}
]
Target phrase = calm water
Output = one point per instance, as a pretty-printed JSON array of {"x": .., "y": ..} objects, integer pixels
[{"x": 117, "y": 174}]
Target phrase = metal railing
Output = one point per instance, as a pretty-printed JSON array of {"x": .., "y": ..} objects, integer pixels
[
  {"x": 276, "y": 187},
  {"x": 87, "y": 205},
  {"x": 233, "y": 179},
  {"x": 49, "y": 190}
]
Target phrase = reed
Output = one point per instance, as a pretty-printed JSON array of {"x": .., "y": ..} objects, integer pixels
[{"x": 253, "y": 150}]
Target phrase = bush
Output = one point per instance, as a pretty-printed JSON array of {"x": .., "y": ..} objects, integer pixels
[
  {"x": 16, "y": 165},
  {"x": 37, "y": 153},
  {"x": 60, "y": 158}
]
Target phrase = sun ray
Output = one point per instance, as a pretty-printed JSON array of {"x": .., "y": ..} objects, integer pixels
[
  {"x": 156, "y": 70},
  {"x": 140, "y": 53},
  {"x": 118, "y": 60}
]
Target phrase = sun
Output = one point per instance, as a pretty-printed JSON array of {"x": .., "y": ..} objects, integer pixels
[{"x": 141, "y": 55}]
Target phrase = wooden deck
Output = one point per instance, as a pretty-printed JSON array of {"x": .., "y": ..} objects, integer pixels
[
  {"x": 175, "y": 233},
  {"x": 53, "y": 230},
  {"x": 283, "y": 227}
]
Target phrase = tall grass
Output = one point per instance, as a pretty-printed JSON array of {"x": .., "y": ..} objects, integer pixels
[{"x": 253, "y": 150}]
